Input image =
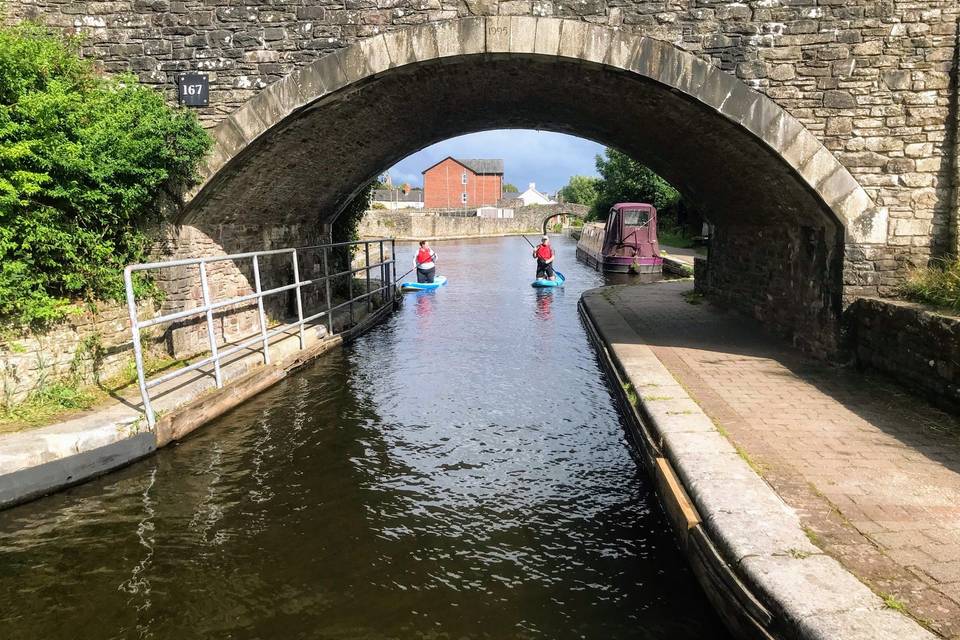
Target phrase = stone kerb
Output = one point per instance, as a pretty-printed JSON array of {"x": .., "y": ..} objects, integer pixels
[{"x": 643, "y": 56}]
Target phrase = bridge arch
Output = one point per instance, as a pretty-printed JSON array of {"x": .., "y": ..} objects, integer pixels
[
  {"x": 301, "y": 149},
  {"x": 557, "y": 214}
]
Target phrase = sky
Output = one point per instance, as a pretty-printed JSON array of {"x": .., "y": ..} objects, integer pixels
[{"x": 548, "y": 159}]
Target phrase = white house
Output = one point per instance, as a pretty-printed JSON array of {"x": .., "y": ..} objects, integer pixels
[
  {"x": 397, "y": 199},
  {"x": 532, "y": 196}
]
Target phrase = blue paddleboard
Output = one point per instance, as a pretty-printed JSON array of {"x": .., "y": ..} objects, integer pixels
[
  {"x": 438, "y": 282},
  {"x": 540, "y": 282}
]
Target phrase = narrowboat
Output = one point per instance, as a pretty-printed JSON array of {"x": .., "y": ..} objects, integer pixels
[{"x": 625, "y": 243}]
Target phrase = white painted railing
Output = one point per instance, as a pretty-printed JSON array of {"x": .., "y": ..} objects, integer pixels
[{"x": 387, "y": 277}]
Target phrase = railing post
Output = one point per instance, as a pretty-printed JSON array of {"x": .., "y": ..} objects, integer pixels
[
  {"x": 350, "y": 280},
  {"x": 205, "y": 292},
  {"x": 392, "y": 267},
  {"x": 366, "y": 250},
  {"x": 260, "y": 312},
  {"x": 326, "y": 282},
  {"x": 296, "y": 281},
  {"x": 383, "y": 277},
  {"x": 137, "y": 348}
]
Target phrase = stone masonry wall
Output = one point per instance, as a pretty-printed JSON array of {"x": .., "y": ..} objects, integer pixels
[
  {"x": 911, "y": 343},
  {"x": 870, "y": 78},
  {"x": 422, "y": 224},
  {"x": 801, "y": 271},
  {"x": 234, "y": 278},
  {"x": 90, "y": 346}
]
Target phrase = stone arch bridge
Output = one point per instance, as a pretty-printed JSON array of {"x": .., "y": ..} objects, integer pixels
[
  {"x": 819, "y": 138},
  {"x": 562, "y": 212}
]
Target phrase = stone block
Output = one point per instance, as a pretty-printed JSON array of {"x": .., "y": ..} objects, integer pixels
[
  {"x": 523, "y": 35},
  {"x": 573, "y": 36},
  {"x": 423, "y": 40},
  {"x": 808, "y": 587},
  {"x": 596, "y": 44},
  {"x": 548, "y": 37},
  {"x": 838, "y": 99},
  {"x": 864, "y": 624}
]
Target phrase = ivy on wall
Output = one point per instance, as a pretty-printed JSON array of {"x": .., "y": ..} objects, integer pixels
[{"x": 88, "y": 163}]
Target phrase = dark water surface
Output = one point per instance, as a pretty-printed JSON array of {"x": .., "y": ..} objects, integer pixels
[{"x": 459, "y": 472}]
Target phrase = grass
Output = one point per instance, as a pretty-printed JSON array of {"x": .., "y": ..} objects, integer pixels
[
  {"x": 45, "y": 404},
  {"x": 692, "y": 297},
  {"x": 812, "y": 536},
  {"x": 891, "y": 602},
  {"x": 675, "y": 238},
  {"x": 631, "y": 394},
  {"x": 54, "y": 401},
  {"x": 937, "y": 285},
  {"x": 753, "y": 464}
]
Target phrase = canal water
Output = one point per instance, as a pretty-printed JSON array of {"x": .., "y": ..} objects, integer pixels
[{"x": 458, "y": 472}]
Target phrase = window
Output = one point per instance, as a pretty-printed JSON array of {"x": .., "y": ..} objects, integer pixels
[
  {"x": 463, "y": 197},
  {"x": 635, "y": 218},
  {"x": 463, "y": 178}
]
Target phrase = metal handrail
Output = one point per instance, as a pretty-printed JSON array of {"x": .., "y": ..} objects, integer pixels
[{"x": 388, "y": 277}]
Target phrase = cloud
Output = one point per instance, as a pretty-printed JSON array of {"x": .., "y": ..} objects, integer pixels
[{"x": 548, "y": 159}]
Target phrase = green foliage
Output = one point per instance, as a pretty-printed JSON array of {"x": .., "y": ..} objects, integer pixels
[
  {"x": 626, "y": 180},
  {"x": 510, "y": 188},
  {"x": 937, "y": 285},
  {"x": 345, "y": 229},
  {"x": 581, "y": 190},
  {"x": 378, "y": 205},
  {"x": 86, "y": 164},
  {"x": 676, "y": 238}
]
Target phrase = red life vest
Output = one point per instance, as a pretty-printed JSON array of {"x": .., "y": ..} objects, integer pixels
[
  {"x": 424, "y": 255},
  {"x": 544, "y": 252}
]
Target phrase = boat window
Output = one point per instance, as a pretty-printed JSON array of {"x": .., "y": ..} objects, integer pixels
[{"x": 635, "y": 218}]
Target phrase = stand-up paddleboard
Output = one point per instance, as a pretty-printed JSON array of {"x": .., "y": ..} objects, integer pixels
[
  {"x": 438, "y": 282},
  {"x": 541, "y": 282}
]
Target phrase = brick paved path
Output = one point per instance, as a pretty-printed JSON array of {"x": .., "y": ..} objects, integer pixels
[{"x": 873, "y": 472}]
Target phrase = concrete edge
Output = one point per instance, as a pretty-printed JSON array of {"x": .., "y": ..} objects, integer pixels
[
  {"x": 35, "y": 482},
  {"x": 744, "y": 544}
]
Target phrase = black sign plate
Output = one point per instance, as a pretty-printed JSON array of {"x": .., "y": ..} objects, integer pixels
[{"x": 194, "y": 89}]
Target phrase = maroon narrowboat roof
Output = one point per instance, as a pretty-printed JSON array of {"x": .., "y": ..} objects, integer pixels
[{"x": 632, "y": 205}]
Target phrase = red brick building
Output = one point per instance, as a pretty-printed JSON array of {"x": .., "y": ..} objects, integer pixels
[{"x": 454, "y": 184}]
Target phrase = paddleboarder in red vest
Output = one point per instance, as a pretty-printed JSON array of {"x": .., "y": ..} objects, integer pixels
[
  {"x": 544, "y": 255},
  {"x": 426, "y": 267}
]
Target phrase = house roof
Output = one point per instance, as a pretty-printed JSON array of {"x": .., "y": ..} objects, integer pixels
[
  {"x": 477, "y": 165},
  {"x": 482, "y": 166},
  {"x": 397, "y": 195}
]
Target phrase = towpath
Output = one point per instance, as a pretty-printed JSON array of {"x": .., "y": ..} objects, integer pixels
[{"x": 872, "y": 471}]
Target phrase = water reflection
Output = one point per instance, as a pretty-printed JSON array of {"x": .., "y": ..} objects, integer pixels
[{"x": 544, "y": 301}]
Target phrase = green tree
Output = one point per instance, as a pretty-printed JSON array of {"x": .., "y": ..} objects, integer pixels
[
  {"x": 580, "y": 190},
  {"x": 623, "y": 179},
  {"x": 510, "y": 188},
  {"x": 87, "y": 164}
]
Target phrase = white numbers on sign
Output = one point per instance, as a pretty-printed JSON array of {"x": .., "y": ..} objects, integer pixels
[{"x": 192, "y": 89}]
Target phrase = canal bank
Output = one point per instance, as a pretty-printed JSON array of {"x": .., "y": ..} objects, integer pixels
[
  {"x": 746, "y": 520},
  {"x": 38, "y": 461}
]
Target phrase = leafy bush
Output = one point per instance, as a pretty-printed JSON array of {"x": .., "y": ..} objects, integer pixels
[
  {"x": 623, "y": 179},
  {"x": 938, "y": 285},
  {"x": 581, "y": 190},
  {"x": 87, "y": 162}
]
